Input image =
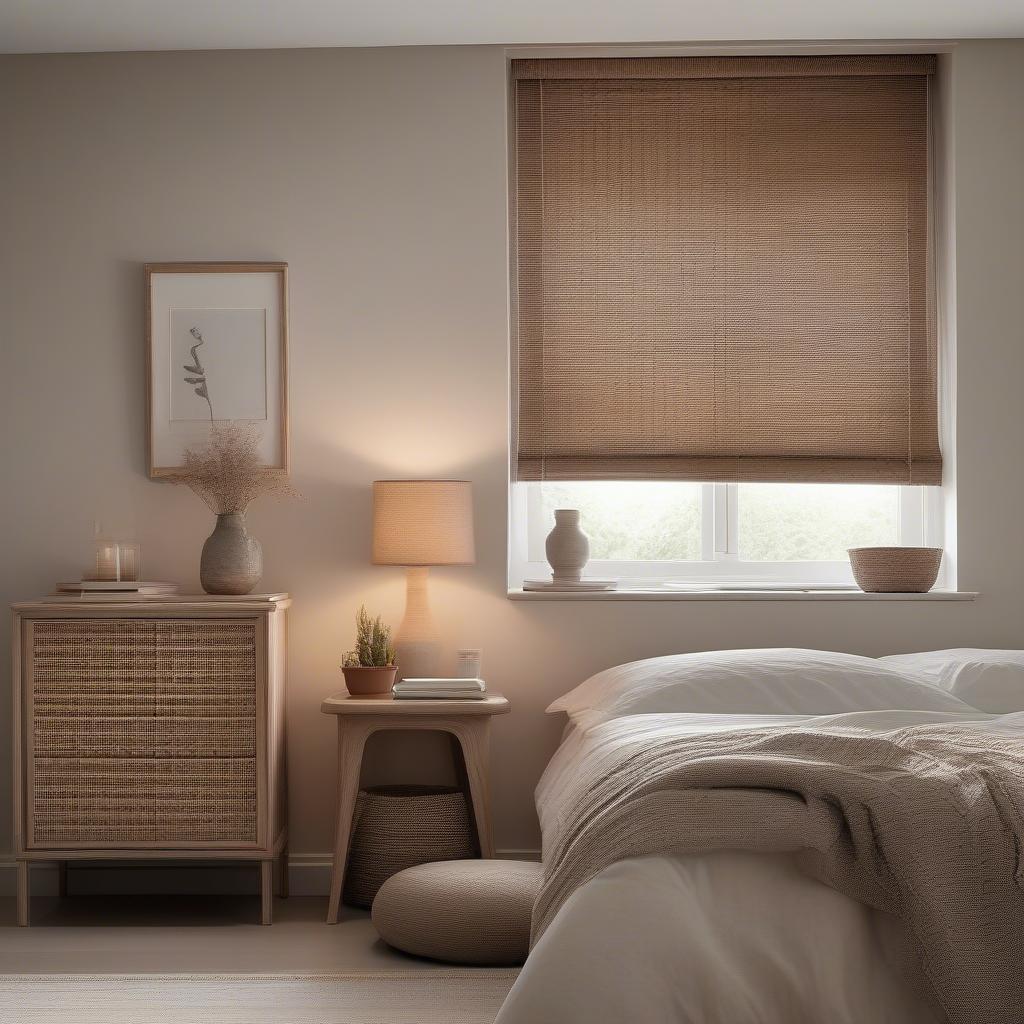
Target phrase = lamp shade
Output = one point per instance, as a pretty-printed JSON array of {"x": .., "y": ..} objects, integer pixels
[{"x": 423, "y": 522}]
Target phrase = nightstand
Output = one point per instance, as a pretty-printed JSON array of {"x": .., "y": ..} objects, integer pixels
[{"x": 467, "y": 721}]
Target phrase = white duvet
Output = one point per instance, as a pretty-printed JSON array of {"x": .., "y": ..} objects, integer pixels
[{"x": 726, "y": 938}]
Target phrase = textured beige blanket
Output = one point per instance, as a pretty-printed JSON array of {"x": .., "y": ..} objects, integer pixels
[{"x": 925, "y": 822}]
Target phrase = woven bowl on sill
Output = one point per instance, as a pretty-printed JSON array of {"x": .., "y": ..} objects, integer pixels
[{"x": 895, "y": 570}]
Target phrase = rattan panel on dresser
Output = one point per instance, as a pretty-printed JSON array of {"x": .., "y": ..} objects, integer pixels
[{"x": 150, "y": 729}]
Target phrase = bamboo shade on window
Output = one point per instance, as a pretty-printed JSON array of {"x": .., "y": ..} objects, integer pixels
[{"x": 722, "y": 270}]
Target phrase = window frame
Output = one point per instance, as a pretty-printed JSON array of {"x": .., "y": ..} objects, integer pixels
[
  {"x": 936, "y": 511},
  {"x": 919, "y": 522}
]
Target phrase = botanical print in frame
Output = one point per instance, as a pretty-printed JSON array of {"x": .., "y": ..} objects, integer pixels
[{"x": 217, "y": 343}]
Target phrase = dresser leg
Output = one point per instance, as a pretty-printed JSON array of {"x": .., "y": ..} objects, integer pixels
[
  {"x": 282, "y": 873},
  {"x": 23, "y": 893},
  {"x": 266, "y": 891}
]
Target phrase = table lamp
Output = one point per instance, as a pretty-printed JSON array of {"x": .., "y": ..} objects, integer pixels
[{"x": 419, "y": 523}]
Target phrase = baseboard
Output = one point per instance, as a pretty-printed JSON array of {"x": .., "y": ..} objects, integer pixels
[{"x": 309, "y": 874}]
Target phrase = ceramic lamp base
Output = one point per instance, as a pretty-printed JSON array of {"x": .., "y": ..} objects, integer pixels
[{"x": 416, "y": 641}]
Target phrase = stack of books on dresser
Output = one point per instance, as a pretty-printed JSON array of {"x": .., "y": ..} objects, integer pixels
[
  {"x": 110, "y": 590},
  {"x": 440, "y": 689}
]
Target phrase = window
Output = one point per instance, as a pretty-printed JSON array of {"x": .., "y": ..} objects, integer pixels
[
  {"x": 661, "y": 533},
  {"x": 724, "y": 347}
]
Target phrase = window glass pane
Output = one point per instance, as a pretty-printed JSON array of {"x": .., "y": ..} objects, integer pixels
[
  {"x": 627, "y": 521},
  {"x": 814, "y": 522}
]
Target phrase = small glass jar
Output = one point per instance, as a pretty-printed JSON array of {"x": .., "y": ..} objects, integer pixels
[{"x": 467, "y": 663}]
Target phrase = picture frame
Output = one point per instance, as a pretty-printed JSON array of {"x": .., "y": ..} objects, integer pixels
[{"x": 216, "y": 351}]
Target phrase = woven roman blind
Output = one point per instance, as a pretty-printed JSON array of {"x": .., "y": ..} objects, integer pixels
[{"x": 722, "y": 270}]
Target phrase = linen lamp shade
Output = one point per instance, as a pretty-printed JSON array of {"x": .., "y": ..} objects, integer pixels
[
  {"x": 423, "y": 522},
  {"x": 419, "y": 523}
]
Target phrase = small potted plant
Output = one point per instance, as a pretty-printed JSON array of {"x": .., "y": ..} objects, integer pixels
[{"x": 370, "y": 668}]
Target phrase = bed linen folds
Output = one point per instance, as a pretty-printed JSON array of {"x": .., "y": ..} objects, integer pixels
[{"x": 925, "y": 822}]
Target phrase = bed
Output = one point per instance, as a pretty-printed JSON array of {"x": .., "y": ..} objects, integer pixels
[{"x": 729, "y": 935}]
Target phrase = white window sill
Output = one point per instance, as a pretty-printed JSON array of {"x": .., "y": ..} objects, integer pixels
[{"x": 637, "y": 594}]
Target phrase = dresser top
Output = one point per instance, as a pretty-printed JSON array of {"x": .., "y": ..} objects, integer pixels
[{"x": 119, "y": 604}]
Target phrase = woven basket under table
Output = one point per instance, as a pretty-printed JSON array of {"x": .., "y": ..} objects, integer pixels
[{"x": 398, "y": 827}]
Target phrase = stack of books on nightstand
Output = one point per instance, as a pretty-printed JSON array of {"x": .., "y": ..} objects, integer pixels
[{"x": 440, "y": 689}]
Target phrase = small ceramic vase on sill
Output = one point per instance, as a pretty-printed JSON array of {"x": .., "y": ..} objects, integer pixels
[
  {"x": 232, "y": 561},
  {"x": 567, "y": 546}
]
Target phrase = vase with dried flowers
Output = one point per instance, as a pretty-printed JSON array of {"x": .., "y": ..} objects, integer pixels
[
  {"x": 370, "y": 668},
  {"x": 229, "y": 475}
]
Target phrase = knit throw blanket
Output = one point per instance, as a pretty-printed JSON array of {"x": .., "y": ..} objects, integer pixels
[{"x": 924, "y": 822}]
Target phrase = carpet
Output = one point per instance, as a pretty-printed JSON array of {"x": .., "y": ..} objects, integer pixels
[{"x": 444, "y": 996}]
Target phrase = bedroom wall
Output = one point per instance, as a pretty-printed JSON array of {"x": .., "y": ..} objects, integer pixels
[{"x": 379, "y": 175}]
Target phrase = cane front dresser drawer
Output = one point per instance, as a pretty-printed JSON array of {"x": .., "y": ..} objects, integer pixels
[
  {"x": 126, "y": 802},
  {"x": 142, "y": 731}
]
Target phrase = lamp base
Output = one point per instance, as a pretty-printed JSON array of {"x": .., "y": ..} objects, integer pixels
[
  {"x": 418, "y": 660},
  {"x": 416, "y": 641}
]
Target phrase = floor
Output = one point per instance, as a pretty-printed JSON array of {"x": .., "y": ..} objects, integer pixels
[{"x": 187, "y": 934}]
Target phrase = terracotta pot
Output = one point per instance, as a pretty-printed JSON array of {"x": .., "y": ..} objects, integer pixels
[{"x": 369, "y": 682}]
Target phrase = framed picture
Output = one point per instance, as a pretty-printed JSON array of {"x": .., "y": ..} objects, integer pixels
[{"x": 217, "y": 342}]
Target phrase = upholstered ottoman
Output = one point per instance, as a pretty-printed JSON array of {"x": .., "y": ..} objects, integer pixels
[{"x": 460, "y": 911}]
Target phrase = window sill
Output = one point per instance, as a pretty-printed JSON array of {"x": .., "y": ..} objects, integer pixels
[{"x": 636, "y": 594}]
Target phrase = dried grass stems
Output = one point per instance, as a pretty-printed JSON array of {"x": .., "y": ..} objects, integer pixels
[
  {"x": 228, "y": 473},
  {"x": 374, "y": 648}
]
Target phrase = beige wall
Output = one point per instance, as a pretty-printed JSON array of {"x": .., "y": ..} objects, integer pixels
[{"x": 379, "y": 175}]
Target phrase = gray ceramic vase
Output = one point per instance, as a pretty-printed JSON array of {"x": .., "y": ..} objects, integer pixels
[
  {"x": 567, "y": 546},
  {"x": 232, "y": 561}
]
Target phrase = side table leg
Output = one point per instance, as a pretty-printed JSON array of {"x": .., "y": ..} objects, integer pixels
[
  {"x": 475, "y": 740},
  {"x": 351, "y": 743}
]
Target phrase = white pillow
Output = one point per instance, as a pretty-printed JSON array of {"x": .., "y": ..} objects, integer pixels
[
  {"x": 773, "y": 681},
  {"x": 991, "y": 681}
]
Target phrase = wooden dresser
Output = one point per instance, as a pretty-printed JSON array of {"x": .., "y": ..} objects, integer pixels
[{"x": 150, "y": 730}]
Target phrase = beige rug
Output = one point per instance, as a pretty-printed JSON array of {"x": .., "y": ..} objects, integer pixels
[{"x": 443, "y": 996}]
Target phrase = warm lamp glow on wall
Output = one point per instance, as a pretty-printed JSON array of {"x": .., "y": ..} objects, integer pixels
[{"x": 419, "y": 523}]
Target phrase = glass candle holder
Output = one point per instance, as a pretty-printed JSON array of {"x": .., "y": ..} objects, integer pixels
[
  {"x": 117, "y": 561},
  {"x": 108, "y": 562},
  {"x": 130, "y": 561}
]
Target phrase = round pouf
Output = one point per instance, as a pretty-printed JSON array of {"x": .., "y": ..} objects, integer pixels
[{"x": 460, "y": 911}]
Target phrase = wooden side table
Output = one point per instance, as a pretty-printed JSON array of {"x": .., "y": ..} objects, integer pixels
[{"x": 467, "y": 721}]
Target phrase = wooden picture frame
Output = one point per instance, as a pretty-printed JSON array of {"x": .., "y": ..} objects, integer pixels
[{"x": 216, "y": 351}]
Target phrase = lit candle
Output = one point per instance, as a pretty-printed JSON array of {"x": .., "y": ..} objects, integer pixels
[{"x": 107, "y": 566}]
